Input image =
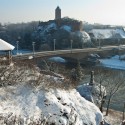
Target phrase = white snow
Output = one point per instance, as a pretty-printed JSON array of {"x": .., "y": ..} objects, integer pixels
[
  {"x": 84, "y": 35},
  {"x": 5, "y": 46},
  {"x": 107, "y": 33},
  {"x": 113, "y": 62},
  {"x": 28, "y": 103},
  {"x": 67, "y": 28}
]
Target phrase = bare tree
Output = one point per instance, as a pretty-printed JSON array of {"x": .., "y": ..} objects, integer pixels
[
  {"x": 102, "y": 91},
  {"x": 113, "y": 81}
]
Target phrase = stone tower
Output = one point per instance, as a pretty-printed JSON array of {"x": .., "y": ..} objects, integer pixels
[{"x": 57, "y": 13}]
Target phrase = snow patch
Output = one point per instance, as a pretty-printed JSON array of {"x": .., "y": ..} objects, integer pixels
[
  {"x": 67, "y": 28},
  {"x": 57, "y": 59}
]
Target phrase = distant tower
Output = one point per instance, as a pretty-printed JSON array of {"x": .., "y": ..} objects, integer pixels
[{"x": 57, "y": 13}]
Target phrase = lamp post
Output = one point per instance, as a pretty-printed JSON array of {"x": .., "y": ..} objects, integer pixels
[
  {"x": 124, "y": 111},
  {"x": 54, "y": 44},
  {"x": 71, "y": 45},
  {"x": 82, "y": 44},
  {"x": 119, "y": 48},
  {"x": 84, "y": 41},
  {"x": 17, "y": 42},
  {"x": 33, "y": 44},
  {"x": 119, "y": 43},
  {"x": 99, "y": 44}
]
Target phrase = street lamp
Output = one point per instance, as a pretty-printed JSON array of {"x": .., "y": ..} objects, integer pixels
[
  {"x": 17, "y": 42},
  {"x": 33, "y": 44},
  {"x": 82, "y": 44},
  {"x": 124, "y": 111},
  {"x": 119, "y": 42},
  {"x": 71, "y": 45},
  {"x": 119, "y": 46},
  {"x": 54, "y": 44},
  {"x": 99, "y": 44},
  {"x": 84, "y": 41},
  {"x": 100, "y": 37}
]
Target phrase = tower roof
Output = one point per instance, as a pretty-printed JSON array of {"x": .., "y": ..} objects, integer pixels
[{"x": 58, "y": 7}]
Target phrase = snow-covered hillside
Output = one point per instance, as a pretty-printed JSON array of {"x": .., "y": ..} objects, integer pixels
[
  {"x": 34, "y": 101},
  {"x": 52, "y": 28}
]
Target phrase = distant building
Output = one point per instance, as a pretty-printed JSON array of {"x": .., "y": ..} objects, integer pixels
[
  {"x": 116, "y": 33},
  {"x": 109, "y": 36},
  {"x": 57, "y": 13}
]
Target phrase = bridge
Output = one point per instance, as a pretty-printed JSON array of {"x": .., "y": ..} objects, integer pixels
[{"x": 75, "y": 54}]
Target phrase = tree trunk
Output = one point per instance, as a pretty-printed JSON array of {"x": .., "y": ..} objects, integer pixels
[
  {"x": 101, "y": 106},
  {"x": 107, "y": 110}
]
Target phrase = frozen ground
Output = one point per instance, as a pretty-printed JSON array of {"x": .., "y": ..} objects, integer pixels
[{"x": 114, "y": 117}]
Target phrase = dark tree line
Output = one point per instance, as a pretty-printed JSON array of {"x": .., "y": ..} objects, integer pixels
[{"x": 21, "y": 32}]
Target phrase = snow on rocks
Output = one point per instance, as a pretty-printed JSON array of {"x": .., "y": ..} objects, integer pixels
[
  {"x": 57, "y": 59},
  {"x": 57, "y": 105},
  {"x": 91, "y": 93}
]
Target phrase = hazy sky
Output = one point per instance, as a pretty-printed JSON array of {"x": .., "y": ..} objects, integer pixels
[{"x": 92, "y": 11}]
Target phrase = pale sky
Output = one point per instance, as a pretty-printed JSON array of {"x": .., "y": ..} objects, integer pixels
[{"x": 92, "y": 11}]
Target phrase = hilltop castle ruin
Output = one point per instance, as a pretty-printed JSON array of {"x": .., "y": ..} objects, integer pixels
[{"x": 74, "y": 24}]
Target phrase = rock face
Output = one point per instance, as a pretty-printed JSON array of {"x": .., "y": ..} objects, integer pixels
[
  {"x": 91, "y": 92},
  {"x": 24, "y": 104}
]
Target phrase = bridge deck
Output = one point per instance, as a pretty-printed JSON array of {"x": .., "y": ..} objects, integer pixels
[{"x": 63, "y": 52}]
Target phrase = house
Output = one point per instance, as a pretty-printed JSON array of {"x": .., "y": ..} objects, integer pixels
[
  {"x": 5, "y": 50},
  {"x": 112, "y": 36}
]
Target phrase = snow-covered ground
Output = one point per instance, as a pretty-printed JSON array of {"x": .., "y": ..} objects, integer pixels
[
  {"x": 113, "y": 62},
  {"x": 34, "y": 101},
  {"x": 57, "y": 59}
]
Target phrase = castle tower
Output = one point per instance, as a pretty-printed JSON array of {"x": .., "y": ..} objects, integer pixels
[{"x": 57, "y": 13}]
